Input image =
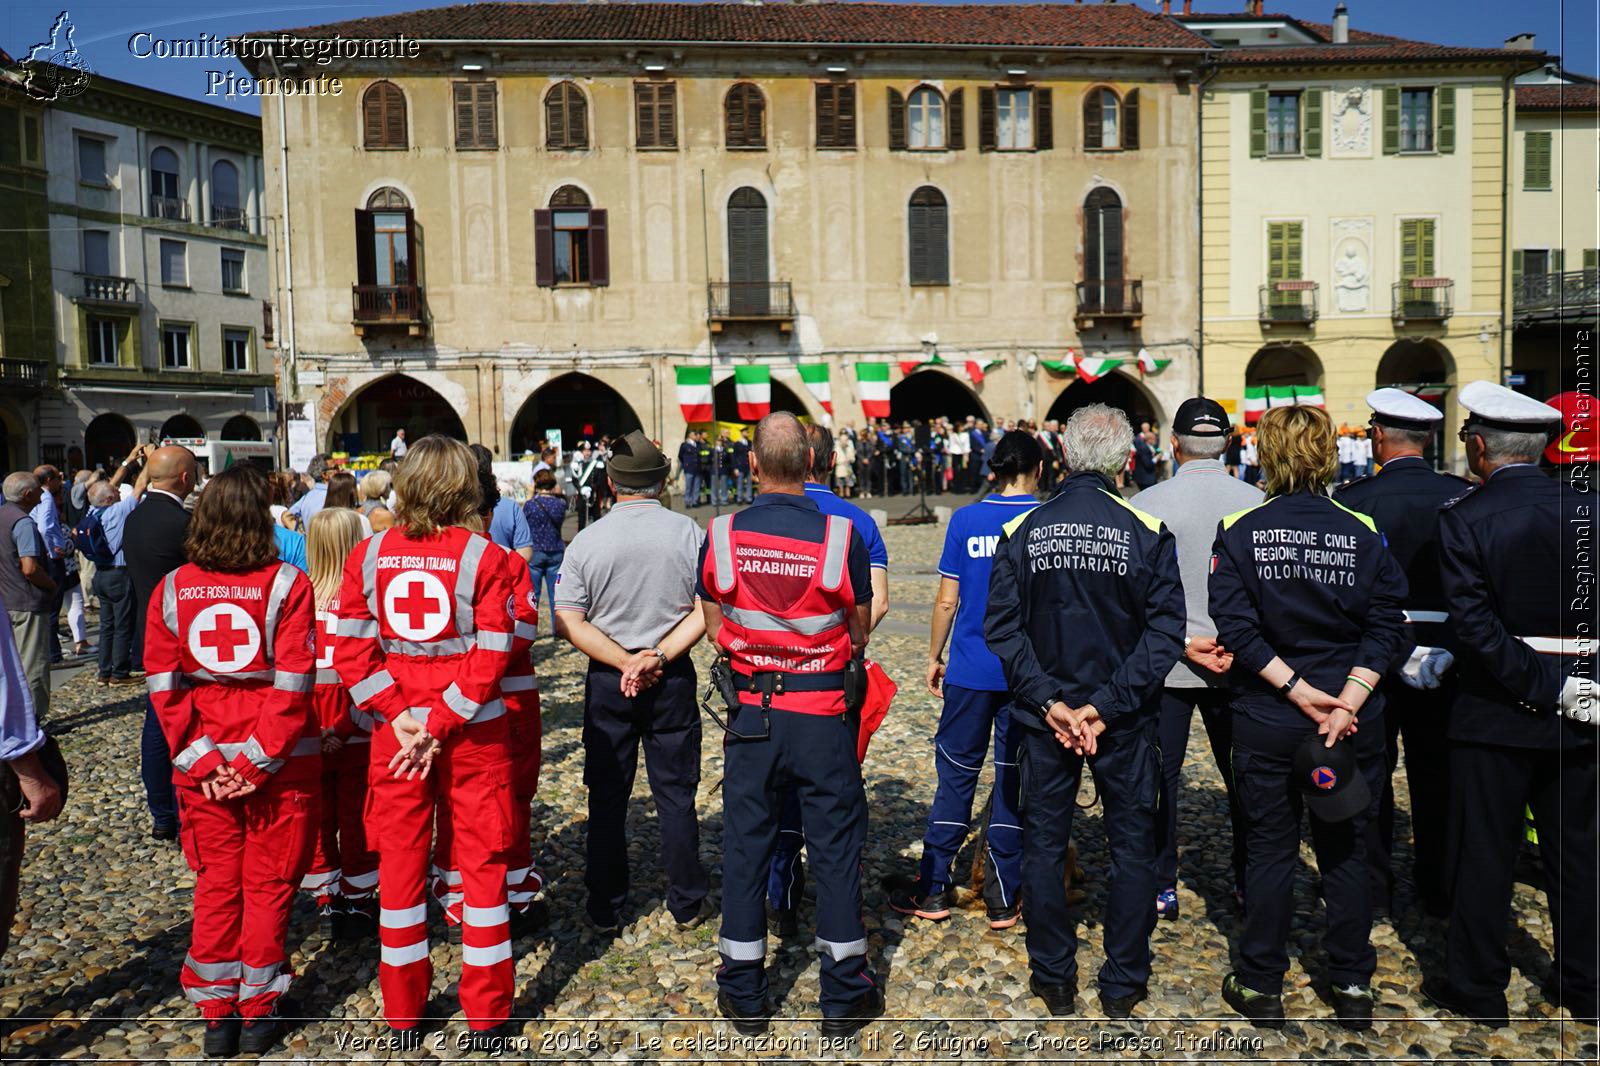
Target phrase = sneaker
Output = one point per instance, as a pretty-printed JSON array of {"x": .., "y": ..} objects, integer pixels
[
  {"x": 222, "y": 1037},
  {"x": 785, "y": 924},
  {"x": 867, "y": 1007},
  {"x": 494, "y": 1040},
  {"x": 259, "y": 1034},
  {"x": 1004, "y": 917},
  {"x": 933, "y": 906},
  {"x": 1263, "y": 1010},
  {"x": 1352, "y": 1005},
  {"x": 1060, "y": 1000},
  {"x": 1167, "y": 904},
  {"x": 745, "y": 1023},
  {"x": 1122, "y": 1006}
]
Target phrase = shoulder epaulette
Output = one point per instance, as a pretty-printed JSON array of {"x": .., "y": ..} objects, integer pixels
[{"x": 1446, "y": 505}]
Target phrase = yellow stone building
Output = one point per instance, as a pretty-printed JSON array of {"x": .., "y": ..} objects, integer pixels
[{"x": 1354, "y": 210}]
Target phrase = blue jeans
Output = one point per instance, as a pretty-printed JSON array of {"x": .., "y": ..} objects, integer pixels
[
  {"x": 544, "y": 566},
  {"x": 155, "y": 768}
]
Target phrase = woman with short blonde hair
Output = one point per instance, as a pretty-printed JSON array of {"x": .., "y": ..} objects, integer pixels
[
  {"x": 1297, "y": 450},
  {"x": 375, "y": 490},
  {"x": 436, "y": 487}
]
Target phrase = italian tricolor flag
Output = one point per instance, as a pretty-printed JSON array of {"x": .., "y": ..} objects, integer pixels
[
  {"x": 1149, "y": 364},
  {"x": 872, "y": 381},
  {"x": 752, "y": 386},
  {"x": 1093, "y": 367},
  {"x": 815, "y": 375},
  {"x": 694, "y": 393},
  {"x": 1257, "y": 398}
]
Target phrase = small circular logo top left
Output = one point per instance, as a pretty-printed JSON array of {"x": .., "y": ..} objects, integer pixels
[{"x": 54, "y": 68}]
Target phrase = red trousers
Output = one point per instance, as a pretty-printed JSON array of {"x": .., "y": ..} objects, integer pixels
[
  {"x": 471, "y": 782},
  {"x": 248, "y": 855},
  {"x": 342, "y": 866}
]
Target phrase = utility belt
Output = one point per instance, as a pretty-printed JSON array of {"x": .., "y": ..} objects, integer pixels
[{"x": 851, "y": 682}]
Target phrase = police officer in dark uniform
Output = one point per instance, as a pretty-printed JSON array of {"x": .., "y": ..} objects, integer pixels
[
  {"x": 788, "y": 595},
  {"x": 1523, "y": 729},
  {"x": 1086, "y": 615},
  {"x": 1307, "y": 598},
  {"x": 1404, "y": 498}
]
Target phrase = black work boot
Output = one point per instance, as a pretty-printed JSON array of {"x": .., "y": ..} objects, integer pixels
[{"x": 222, "y": 1037}]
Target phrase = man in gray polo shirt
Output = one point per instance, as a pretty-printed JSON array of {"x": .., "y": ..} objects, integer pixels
[
  {"x": 1192, "y": 503},
  {"x": 625, "y": 598}
]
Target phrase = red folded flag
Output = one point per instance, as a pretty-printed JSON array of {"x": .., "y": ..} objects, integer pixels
[{"x": 880, "y": 693}]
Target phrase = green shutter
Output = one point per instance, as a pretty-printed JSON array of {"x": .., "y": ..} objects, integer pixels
[
  {"x": 1311, "y": 134},
  {"x": 1391, "y": 120},
  {"x": 1536, "y": 171},
  {"x": 1416, "y": 248},
  {"x": 1446, "y": 139},
  {"x": 1591, "y": 259},
  {"x": 1516, "y": 269},
  {"x": 1558, "y": 260},
  {"x": 1258, "y": 123},
  {"x": 1284, "y": 248}
]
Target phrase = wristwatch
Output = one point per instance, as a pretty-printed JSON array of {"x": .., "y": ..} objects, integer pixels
[{"x": 660, "y": 654}]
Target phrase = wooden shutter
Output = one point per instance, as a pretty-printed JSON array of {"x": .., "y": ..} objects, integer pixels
[
  {"x": 1044, "y": 136},
  {"x": 1445, "y": 139},
  {"x": 846, "y": 96},
  {"x": 1284, "y": 251},
  {"x": 644, "y": 115},
  {"x": 483, "y": 110},
  {"x": 897, "y": 119},
  {"x": 1130, "y": 119},
  {"x": 986, "y": 138},
  {"x": 372, "y": 109},
  {"x": 955, "y": 118},
  {"x": 1410, "y": 260},
  {"x": 1558, "y": 260},
  {"x": 667, "y": 115},
  {"x": 394, "y": 116},
  {"x": 1093, "y": 119},
  {"x": 413, "y": 253},
  {"x": 544, "y": 248},
  {"x": 747, "y": 237},
  {"x": 827, "y": 126},
  {"x": 577, "y": 117},
  {"x": 1311, "y": 123},
  {"x": 1591, "y": 259},
  {"x": 734, "y": 128},
  {"x": 1536, "y": 171},
  {"x": 555, "y": 119},
  {"x": 462, "y": 96},
  {"x": 1516, "y": 269},
  {"x": 928, "y": 227},
  {"x": 1425, "y": 247},
  {"x": 655, "y": 106},
  {"x": 1391, "y": 120},
  {"x": 1258, "y": 123},
  {"x": 599, "y": 249},
  {"x": 366, "y": 267}
]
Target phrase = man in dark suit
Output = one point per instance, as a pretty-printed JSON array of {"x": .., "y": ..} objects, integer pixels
[{"x": 153, "y": 546}]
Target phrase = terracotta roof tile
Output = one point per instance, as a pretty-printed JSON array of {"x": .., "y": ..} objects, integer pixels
[{"x": 1558, "y": 98}]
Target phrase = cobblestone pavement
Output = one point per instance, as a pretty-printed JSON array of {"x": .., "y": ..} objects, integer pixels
[{"x": 103, "y": 926}]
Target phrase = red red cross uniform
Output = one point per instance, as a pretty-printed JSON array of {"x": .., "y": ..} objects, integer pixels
[
  {"x": 424, "y": 629},
  {"x": 344, "y": 871},
  {"x": 520, "y": 689},
  {"x": 230, "y": 657}
]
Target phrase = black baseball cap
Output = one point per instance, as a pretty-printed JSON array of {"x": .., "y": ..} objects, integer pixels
[
  {"x": 1199, "y": 416},
  {"x": 1329, "y": 780}
]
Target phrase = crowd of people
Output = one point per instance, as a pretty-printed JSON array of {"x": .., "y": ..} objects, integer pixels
[{"x": 342, "y": 700}]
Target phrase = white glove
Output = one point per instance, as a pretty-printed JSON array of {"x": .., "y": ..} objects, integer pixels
[
  {"x": 587, "y": 492},
  {"x": 1580, "y": 700},
  {"x": 1426, "y": 667}
]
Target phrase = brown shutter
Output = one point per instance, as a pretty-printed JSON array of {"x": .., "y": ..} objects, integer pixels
[
  {"x": 577, "y": 117},
  {"x": 733, "y": 124},
  {"x": 897, "y": 119},
  {"x": 1044, "y": 136},
  {"x": 544, "y": 249},
  {"x": 462, "y": 96},
  {"x": 555, "y": 119},
  {"x": 956, "y": 121},
  {"x": 644, "y": 118},
  {"x": 394, "y": 108},
  {"x": 847, "y": 116},
  {"x": 413, "y": 253},
  {"x": 599, "y": 249},
  {"x": 366, "y": 269},
  {"x": 755, "y": 117},
  {"x": 985, "y": 120},
  {"x": 1093, "y": 119},
  {"x": 667, "y": 115},
  {"x": 484, "y": 115},
  {"x": 1130, "y": 119},
  {"x": 826, "y": 125},
  {"x": 373, "y": 135}
]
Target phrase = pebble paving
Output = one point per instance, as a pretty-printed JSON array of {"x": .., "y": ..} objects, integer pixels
[{"x": 103, "y": 926}]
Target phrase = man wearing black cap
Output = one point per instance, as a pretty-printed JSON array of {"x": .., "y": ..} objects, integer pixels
[
  {"x": 1523, "y": 727},
  {"x": 1404, "y": 498},
  {"x": 625, "y": 598},
  {"x": 1192, "y": 502}
]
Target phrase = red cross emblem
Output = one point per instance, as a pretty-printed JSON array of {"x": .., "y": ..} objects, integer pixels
[
  {"x": 223, "y": 638},
  {"x": 417, "y": 605},
  {"x": 1324, "y": 778},
  {"x": 325, "y": 622}
]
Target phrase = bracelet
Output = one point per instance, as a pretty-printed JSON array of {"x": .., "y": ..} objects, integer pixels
[
  {"x": 660, "y": 654},
  {"x": 1288, "y": 686},
  {"x": 1357, "y": 680}
]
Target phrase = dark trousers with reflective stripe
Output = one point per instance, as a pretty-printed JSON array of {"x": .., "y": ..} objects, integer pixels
[
  {"x": 1420, "y": 717},
  {"x": 815, "y": 756},
  {"x": 970, "y": 718},
  {"x": 1126, "y": 772},
  {"x": 1177, "y": 714}
]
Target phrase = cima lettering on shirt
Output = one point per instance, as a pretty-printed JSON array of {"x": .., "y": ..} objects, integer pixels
[
  {"x": 1079, "y": 546},
  {"x": 1305, "y": 555}
]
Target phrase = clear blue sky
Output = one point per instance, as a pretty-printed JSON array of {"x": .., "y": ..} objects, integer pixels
[{"x": 104, "y": 27}]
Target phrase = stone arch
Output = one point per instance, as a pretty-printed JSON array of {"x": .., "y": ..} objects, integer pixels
[
  {"x": 571, "y": 402},
  {"x": 107, "y": 440},
  {"x": 933, "y": 392},
  {"x": 367, "y": 420},
  {"x": 241, "y": 427},
  {"x": 1284, "y": 364},
  {"x": 1116, "y": 389},
  {"x": 784, "y": 398},
  {"x": 182, "y": 425},
  {"x": 1425, "y": 368}
]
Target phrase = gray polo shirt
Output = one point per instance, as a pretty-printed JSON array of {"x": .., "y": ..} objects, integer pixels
[
  {"x": 1192, "y": 502},
  {"x": 633, "y": 572}
]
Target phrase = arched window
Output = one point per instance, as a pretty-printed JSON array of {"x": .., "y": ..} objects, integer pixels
[
  {"x": 1102, "y": 252},
  {"x": 744, "y": 116},
  {"x": 387, "y": 252},
  {"x": 388, "y": 198},
  {"x": 383, "y": 116},
  {"x": 925, "y": 119},
  {"x": 566, "y": 117},
  {"x": 1110, "y": 121},
  {"x": 226, "y": 210},
  {"x": 928, "y": 223},
  {"x": 165, "y": 199},
  {"x": 570, "y": 241},
  {"x": 749, "y": 294}
]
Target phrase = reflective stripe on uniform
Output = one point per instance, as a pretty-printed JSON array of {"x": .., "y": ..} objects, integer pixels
[
  {"x": 364, "y": 691},
  {"x": 289, "y": 681},
  {"x": 1426, "y": 616},
  {"x": 835, "y": 549},
  {"x": 319, "y": 880},
  {"x": 213, "y": 971},
  {"x": 442, "y": 646},
  {"x": 163, "y": 682},
  {"x": 489, "y": 956},
  {"x": 517, "y": 683},
  {"x": 492, "y": 640},
  {"x": 526, "y": 630},
  {"x": 193, "y": 753},
  {"x": 365, "y": 628},
  {"x": 839, "y": 951},
  {"x": 722, "y": 552},
  {"x": 467, "y": 583},
  {"x": 402, "y": 917},
  {"x": 743, "y": 950},
  {"x": 470, "y": 710},
  {"x": 327, "y": 675},
  {"x": 809, "y": 625},
  {"x": 403, "y": 956},
  {"x": 234, "y": 678},
  {"x": 272, "y": 981},
  {"x": 257, "y": 755},
  {"x": 369, "y": 572},
  {"x": 486, "y": 917},
  {"x": 281, "y": 582},
  {"x": 363, "y": 721},
  {"x": 200, "y": 995},
  {"x": 362, "y": 881},
  {"x": 169, "y": 602},
  {"x": 1562, "y": 645}
]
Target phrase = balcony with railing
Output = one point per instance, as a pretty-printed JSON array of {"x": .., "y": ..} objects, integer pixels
[
  {"x": 24, "y": 374},
  {"x": 228, "y": 216},
  {"x": 750, "y": 301},
  {"x": 1572, "y": 294},
  {"x": 1423, "y": 300},
  {"x": 108, "y": 289},
  {"x": 175, "y": 208},
  {"x": 1114, "y": 301},
  {"x": 387, "y": 306},
  {"x": 1288, "y": 303}
]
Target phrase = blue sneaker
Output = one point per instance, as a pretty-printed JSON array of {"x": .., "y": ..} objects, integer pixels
[{"x": 1167, "y": 904}]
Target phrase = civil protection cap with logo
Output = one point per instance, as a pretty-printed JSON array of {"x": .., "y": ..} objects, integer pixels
[
  {"x": 635, "y": 462},
  {"x": 1497, "y": 407},
  {"x": 1399, "y": 409},
  {"x": 1329, "y": 780},
  {"x": 1579, "y": 440},
  {"x": 1200, "y": 416}
]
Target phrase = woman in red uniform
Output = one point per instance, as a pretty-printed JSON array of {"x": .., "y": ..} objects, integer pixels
[
  {"x": 229, "y": 655},
  {"x": 424, "y": 636}
]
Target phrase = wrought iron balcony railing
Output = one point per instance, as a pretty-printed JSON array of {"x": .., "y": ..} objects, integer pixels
[
  {"x": 173, "y": 207},
  {"x": 751, "y": 300},
  {"x": 386, "y": 304},
  {"x": 1423, "y": 300},
  {"x": 1574, "y": 292},
  {"x": 1115, "y": 298},
  {"x": 1289, "y": 303}
]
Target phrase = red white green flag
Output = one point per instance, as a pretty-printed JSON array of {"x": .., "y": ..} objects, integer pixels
[
  {"x": 975, "y": 371},
  {"x": 815, "y": 375},
  {"x": 872, "y": 382},
  {"x": 1255, "y": 403},
  {"x": 694, "y": 393},
  {"x": 1094, "y": 367},
  {"x": 752, "y": 387}
]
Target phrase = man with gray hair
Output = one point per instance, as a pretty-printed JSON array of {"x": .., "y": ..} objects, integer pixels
[
  {"x": 1086, "y": 614},
  {"x": 1192, "y": 502},
  {"x": 299, "y": 515},
  {"x": 100, "y": 537},
  {"x": 25, "y": 583}
]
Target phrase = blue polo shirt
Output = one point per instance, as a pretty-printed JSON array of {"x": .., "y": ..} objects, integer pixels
[
  {"x": 508, "y": 526},
  {"x": 291, "y": 548},
  {"x": 829, "y": 503},
  {"x": 969, "y": 543}
]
